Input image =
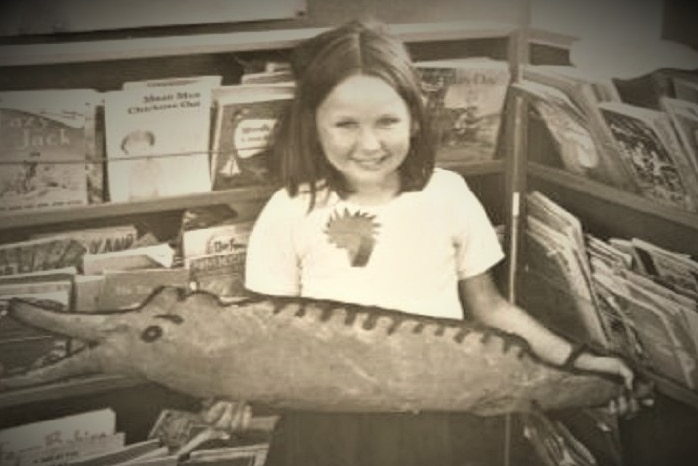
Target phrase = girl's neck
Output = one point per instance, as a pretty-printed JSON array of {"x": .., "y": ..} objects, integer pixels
[{"x": 371, "y": 194}]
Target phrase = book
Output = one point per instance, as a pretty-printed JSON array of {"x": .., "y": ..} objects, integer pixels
[
  {"x": 99, "y": 240},
  {"x": 684, "y": 117},
  {"x": 127, "y": 289},
  {"x": 603, "y": 86},
  {"x": 67, "y": 430},
  {"x": 148, "y": 257},
  {"x": 568, "y": 127},
  {"x": 215, "y": 257},
  {"x": 582, "y": 93},
  {"x": 686, "y": 88},
  {"x": 245, "y": 121},
  {"x": 552, "y": 259},
  {"x": 646, "y": 140},
  {"x": 207, "y": 80},
  {"x": 246, "y": 455},
  {"x": 268, "y": 77},
  {"x": 677, "y": 272},
  {"x": 73, "y": 452},
  {"x": 46, "y": 140},
  {"x": 465, "y": 98},
  {"x": 88, "y": 290},
  {"x": 157, "y": 141},
  {"x": 124, "y": 454}
]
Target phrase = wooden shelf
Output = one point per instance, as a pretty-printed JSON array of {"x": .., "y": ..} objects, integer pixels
[
  {"x": 122, "y": 49},
  {"x": 488, "y": 167},
  {"x": 67, "y": 388},
  {"x": 613, "y": 195},
  {"x": 117, "y": 209},
  {"x": 232, "y": 197}
]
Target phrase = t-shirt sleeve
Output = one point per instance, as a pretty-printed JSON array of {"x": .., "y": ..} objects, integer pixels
[
  {"x": 475, "y": 239},
  {"x": 271, "y": 264}
]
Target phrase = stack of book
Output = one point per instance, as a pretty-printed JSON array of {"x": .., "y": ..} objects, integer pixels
[
  {"x": 624, "y": 295},
  {"x": 650, "y": 150},
  {"x": 176, "y": 438}
]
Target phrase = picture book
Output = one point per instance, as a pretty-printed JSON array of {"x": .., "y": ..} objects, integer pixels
[
  {"x": 71, "y": 429},
  {"x": 215, "y": 257},
  {"x": 207, "y": 80},
  {"x": 39, "y": 254},
  {"x": 686, "y": 88},
  {"x": 157, "y": 141},
  {"x": 465, "y": 98},
  {"x": 147, "y": 257},
  {"x": 99, "y": 240},
  {"x": 582, "y": 93},
  {"x": 73, "y": 453},
  {"x": 245, "y": 120},
  {"x": 684, "y": 117},
  {"x": 568, "y": 127},
  {"x": 46, "y": 141},
  {"x": 646, "y": 141}
]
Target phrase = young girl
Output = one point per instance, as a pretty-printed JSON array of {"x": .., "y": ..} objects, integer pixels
[{"x": 364, "y": 217}]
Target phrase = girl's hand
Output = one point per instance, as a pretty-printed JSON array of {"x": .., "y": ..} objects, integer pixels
[
  {"x": 229, "y": 416},
  {"x": 628, "y": 403}
]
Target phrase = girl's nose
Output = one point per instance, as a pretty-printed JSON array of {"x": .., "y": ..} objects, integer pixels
[{"x": 368, "y": 140}]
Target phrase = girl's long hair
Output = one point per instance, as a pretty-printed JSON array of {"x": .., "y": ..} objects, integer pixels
[{"x": 318, "y": 65}]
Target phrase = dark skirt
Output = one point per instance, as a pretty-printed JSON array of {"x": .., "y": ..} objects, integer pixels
[{"x": 425, "y": 439}]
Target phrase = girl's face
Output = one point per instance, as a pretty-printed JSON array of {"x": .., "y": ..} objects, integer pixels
[{"x": 364, "y": 128}]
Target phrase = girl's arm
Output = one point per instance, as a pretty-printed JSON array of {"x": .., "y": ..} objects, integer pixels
[{"x": 481, "y": 297}]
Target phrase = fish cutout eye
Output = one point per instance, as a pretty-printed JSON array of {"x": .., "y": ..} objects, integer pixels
[{"x": 151, "y": 333}]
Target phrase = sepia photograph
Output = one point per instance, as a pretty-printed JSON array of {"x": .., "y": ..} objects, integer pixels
[{"x": 332, "y": 233}]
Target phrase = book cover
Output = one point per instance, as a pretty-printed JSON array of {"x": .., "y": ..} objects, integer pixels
[
  {"x": 645, "y": 140},
  {"x": 684, "y": 117},
  {"x": 148, "y": 257},
  {"x": 569, "y": 129},
  {"x": 39, "y": 254},
  {"x": 686, "y": 88},
  {"x": 246, "y": 455},
  {"x": 125, "y": 289},
  {"x": 71, "y": 453},
  {"x": 245, "y": 120},
  {"x": 99, "y": 240},
  {"x": 68, "y": 430},
  {"x": 45, "y": 142},
  {"x": 581, "y": 92},
  {"x": 157, "y": 141},
  {"x": 465, "y": 98},
  {"x": 121, "y": 454},
  {"x": 550, "y": 294},
  {"x": 603, "y": 87},
  {"x": 215, "y": 257},
  {"x": 207, "y": 80}
]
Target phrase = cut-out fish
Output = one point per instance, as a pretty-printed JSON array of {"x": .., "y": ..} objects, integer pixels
[{"x": 306, "y": 354}]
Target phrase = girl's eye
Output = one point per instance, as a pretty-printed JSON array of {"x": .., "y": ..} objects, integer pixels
[
  {"x": 388, "y": 121},
  {"x": 346, "y": 124}
]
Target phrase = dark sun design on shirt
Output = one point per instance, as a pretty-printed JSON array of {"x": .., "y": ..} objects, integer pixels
[{"x": 353, "y": 232}]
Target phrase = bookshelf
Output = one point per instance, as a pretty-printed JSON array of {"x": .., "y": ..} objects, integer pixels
[{"x": 605, "y": 211}]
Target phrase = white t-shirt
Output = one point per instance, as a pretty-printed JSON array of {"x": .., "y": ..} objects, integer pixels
[{"x": 407, "y": 254}]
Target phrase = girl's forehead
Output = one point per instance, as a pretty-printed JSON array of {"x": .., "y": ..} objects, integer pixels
[{"x": 360, "y": 90}]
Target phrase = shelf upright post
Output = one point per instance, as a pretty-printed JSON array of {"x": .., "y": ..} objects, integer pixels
[{"x": 516, "y": 129}]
